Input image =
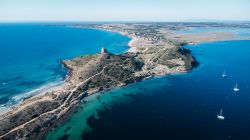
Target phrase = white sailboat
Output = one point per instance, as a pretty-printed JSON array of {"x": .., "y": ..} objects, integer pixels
[
  {"x": 236, "y": 88},
  {"x": 224, "y": 75},
  {"x": 220, "y": 116}
]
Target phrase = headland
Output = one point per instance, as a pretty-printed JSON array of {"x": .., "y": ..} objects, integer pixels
[{"x": 155, "y": 50}]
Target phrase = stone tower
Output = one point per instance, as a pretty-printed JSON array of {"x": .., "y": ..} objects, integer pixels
[{"x": 104, "y": 50}]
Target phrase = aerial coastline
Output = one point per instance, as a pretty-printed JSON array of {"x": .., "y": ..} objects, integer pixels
[{"x": 154, "y": 51}]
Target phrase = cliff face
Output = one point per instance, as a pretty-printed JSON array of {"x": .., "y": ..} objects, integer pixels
[{"x": 189, "y": 59}]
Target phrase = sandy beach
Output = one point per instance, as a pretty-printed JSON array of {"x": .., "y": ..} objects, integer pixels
[{"x": 132, "y": 45}]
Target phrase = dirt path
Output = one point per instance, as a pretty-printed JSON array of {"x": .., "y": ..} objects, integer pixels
[{"x": 52, "y": 111}]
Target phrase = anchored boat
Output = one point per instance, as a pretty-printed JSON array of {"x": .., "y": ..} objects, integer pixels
[
  {"x": 220, "y": 116},
  {"x": 236, "y": 88}
]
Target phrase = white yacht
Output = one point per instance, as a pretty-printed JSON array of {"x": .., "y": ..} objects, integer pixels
[
  {"x": 236, "y": 88},
  {"x": 224, "y": 75},
  {"x": 220, "y": 116}
]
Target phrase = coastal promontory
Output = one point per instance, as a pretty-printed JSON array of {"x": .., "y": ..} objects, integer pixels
[{"x": 154, "y": 51}]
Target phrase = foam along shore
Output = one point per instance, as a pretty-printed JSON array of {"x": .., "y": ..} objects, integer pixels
[
  {"x": 155, "y": 52},
  {"x": 16, "y": 100},
  {"x": 131, "y": 45}
]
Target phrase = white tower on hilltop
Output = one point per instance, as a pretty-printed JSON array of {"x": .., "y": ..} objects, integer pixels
[{"x": 104, "y": 50}]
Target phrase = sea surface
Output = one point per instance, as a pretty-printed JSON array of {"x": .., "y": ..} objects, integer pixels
[
  {"x": 30, "y": 56},
  {"x": 237, "y": 32},
  {"x": 175, "y": 107}
]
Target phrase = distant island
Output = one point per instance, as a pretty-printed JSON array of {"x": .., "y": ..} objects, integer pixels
[{"x": 155, "y": 50}]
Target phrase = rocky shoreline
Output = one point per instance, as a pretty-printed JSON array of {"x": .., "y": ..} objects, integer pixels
[{"x": 153, "y": 53}]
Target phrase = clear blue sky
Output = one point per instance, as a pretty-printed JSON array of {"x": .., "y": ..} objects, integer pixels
[{"x": 123, "y": 10}]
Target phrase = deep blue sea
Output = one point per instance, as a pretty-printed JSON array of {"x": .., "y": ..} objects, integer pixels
[
  {"x": 175, "y": 107},
  {"x": 30, "y": 56}
]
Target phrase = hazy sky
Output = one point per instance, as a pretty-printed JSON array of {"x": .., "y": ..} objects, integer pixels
[{"x": 123, "y": 10}]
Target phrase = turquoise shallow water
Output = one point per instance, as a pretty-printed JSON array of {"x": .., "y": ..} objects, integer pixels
[
  {"x": 176, "y": 107},
  {"x": 30, "y": 56}
]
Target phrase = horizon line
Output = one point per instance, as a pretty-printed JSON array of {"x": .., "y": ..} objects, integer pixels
[{"x": 119, "y": 21}]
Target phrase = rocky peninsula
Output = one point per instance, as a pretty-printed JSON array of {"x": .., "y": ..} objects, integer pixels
[{"x": 154, "y": 51}]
